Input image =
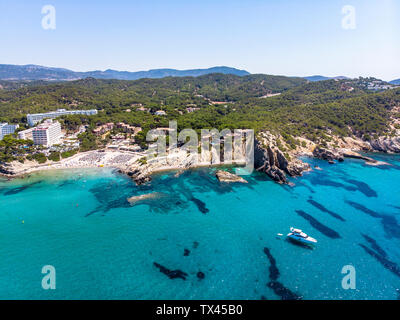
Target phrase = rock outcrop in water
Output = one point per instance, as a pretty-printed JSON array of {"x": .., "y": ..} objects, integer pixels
[
  {"x": 137, "y": 199},
  {"x": 224, "y": 176},
  {"x": 355, "y": 155},
  {"x": 172, "y": 274},
  {"x": 268, "y": 158},
  {"x": 339, "y": 155},
  {"x": 139, "y": 175},
  {"x": 326, "y": 154},
  {"x": 141, "y": 171}
]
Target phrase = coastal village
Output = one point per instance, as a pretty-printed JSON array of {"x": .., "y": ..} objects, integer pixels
[
  {"x": 47, "y": 140},
  {"x": 46, "y": 137}
]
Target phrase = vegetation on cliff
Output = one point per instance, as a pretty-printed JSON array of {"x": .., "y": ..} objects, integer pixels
[{"x": 310, "y": 109}]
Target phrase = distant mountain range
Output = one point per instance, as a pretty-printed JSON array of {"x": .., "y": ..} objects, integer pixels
[
  {"x": 32, "y": 72},
  {"x": 35, "y": 72}
]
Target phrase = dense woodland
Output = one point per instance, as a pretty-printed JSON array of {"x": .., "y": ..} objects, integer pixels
[{"x": 310, "y": 109}]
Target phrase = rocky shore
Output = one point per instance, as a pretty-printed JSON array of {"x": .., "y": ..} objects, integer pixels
[
  {"x": 268, "y": 158},
  {"x": 89, "y": 159},
  {"x": 224, "y": 176},
  {"x": 178, "y": 159},
  {"x": 271, "y": 160},
  {"x": 385, "y": 144}
]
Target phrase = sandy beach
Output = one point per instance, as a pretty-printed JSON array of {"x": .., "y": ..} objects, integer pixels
[
  {"x": 178, "y": 159},
  {"x": 89, "y": 159}
]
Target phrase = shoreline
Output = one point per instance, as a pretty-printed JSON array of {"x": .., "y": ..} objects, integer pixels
[
  {"x": 83, "y": 160},
  {"x": 78, "y": 161},
  {"x": 75, "y": 163}
]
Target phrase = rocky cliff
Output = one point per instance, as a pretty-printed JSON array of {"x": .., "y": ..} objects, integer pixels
[
  {"x": 268, "y": 158},
  {"x": 327, "y": 154},
  {"x": 224, "y": 176},
  {"x": 386, "y": 144}
]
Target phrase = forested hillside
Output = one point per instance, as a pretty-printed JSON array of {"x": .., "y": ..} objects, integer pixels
[
  {"x": 114, "y": 94},
  {"x": 303, "y": 108}
]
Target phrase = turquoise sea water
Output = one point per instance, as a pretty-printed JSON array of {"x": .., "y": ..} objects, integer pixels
[{"x": 102, "y": 248}]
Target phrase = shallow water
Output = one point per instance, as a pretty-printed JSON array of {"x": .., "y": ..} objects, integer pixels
[{"x": 81, "y": 223}]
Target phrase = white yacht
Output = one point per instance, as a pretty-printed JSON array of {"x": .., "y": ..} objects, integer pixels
[{"x": 300, "y": 236}]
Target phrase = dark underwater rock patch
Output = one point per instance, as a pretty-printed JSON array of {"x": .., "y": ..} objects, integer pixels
[
  {"x": 200, "y": 275},
  {"x": 391, "y": 226},
  {"x": 172, "y": 274},
  {"x": 112, "y": 204},
  {"x": 321, "y": 181},
  {"x": 17, "y": 190},
  {"x": 200, "y": 205},
  {"x": 364, "y": 209},
  {"x": 273, "y": 269},
  {"x": 65, "y": 183},
  {"x": 386, "y": 263},
  {"x": 389, "y": 222},
  {"x": 323, "y": 209},
  {"x": 283, "y": 292},
  {"x": 109, "y": 197},
  {"x": 279, "y": 289},
  {"x": 202, "y": 181},
  {"x": 375, "y": 246},
  {"x": 302, "y": 184},
  {"x": 318, "y": 225},
  {"x": 377, "y": 252},
  {"x": 363, "y": 188}
]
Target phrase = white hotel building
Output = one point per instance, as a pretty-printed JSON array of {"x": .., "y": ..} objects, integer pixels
[
  {"x": 47, "y": 133},
  {"x": 6, "y": 129},
  {"x": 37, "y": 117},
  {"x": 26, "y": 134}
]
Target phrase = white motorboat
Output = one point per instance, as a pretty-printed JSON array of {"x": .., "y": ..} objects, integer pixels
[{"x": 300, "y": 236}]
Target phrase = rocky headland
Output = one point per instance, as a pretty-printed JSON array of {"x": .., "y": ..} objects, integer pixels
[
  {"x": 268, "y": 158},
  {"x": 276, "y": 159}
]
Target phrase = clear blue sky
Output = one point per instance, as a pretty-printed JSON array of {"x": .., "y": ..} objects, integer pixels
[{"x": 289, "y": 37}]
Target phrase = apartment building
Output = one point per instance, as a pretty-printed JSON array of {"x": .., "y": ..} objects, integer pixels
[
  {"x": 103, "y": 128},
  {"x": 128, "y": 128},
  {"x": 37, "y": 117},
  {"x": 47, "y": 133},
  {"x": 26, "y": 134},
  {"x": 6, "y": 129}
]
